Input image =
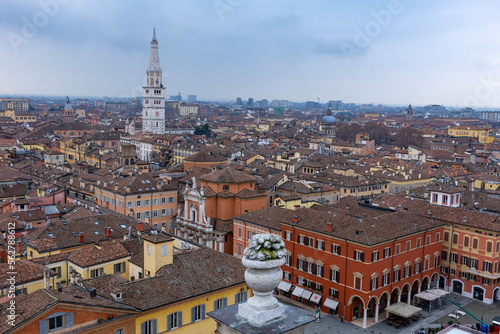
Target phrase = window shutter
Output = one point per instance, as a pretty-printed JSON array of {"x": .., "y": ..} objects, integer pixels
[
  {"x": 362, "y": 257},
  {"x": 193, "y": 314},
  {"x": 154, "y": 326},
  {"x": 339, "y": 250},
  {"x": 169, "y": 322},
  {"x": 373, "y": 257},
  {"x": 354, "y": 256},
  {"x": 245, "y": 296},
  {"x": 306, "y": 241},
  {"x": 317, "y": 243},
  {"x": 371, "y": 285},
  {"x": 43, "y": 326},
  {"x": 237, "y": 299},
  {"x": 179, "y": 318},
  {"x": 69, "y": 320},
  {"x": 202, "y": 311},
  {"x": 215, "y": 305},
  {"x": 298, "y": 262},
  {"x": 314, "y": 269},
  {"x": 323, "y": 246},
  {"x": 225, "y": 301},
  {"x": 143, "y": 328}
]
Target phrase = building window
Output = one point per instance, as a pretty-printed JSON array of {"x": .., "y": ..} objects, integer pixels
[
  {"x": 408, "y": 245},
  {"x": 475, "y": 243},
  {"x": 155, "y": 214},
  {"x": 455, "y": 238},
  {"x": 138, "y": 215},
  {"x": 445, "y": 199},
  {"x": 138, "y": 203},
  {"x": 288, "y": 235},
  {"x": 164, "y": 250},
  {"x": 225, "y": 187},
  {"x": 454, "y": 257},
  {"x": 301, "y": 264},
  {"x": 489, "y": 246},
  {"x": 417, "y": 268},
  {"x": 396, "y": 251},
  {"x": 435, "y": 198},
  {"x": 288, "y": 260},
  {"x": 119, "y": 267},
  {"x": 357, "y": 283},
  {"x": 239, "y": 250},
  {"x": 240, "y": 297},
  {"x": 487, "y": 266},
  {"x": 148, "y": 248},
  {"x": 359, "y": 256},
  {"x": 387, "y": 252},
  {"x": 120, "y": 331},
  {"x": 407, "y": 271},
  {"x": 56, "y": 322},
  {"x": 446, "y": 236},
  {"x": 436, "y": 261},
  {"x": 428, "y": 240},
  {"x": 319, "y": 270},
  {"x": 163, "y": 200},
  {"x": 419, "y": 242},
  {"x": 336, "y": 249},
  {"x": 375, "y": 256},
  {"x": 466, "y": 241},
  {"x": 320, "y": 245},
  {"x": 130, "y": 204},
  {"x": 397, "y": 275},
  {"x": 171, "y": 199},
  {"x": 220, "y": 303},
  {"x": 386, "y": 279},
  {"x": 334, "y": 275},
  {"x": 374, "y": 283},
  {"x": 163, "y": 212},
  {"x": 198, "y": 313},
  {"x": 438, "y": 236},
  {"x": 174, "y": 320}
]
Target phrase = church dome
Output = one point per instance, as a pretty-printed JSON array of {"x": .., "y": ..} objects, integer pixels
[{"x": 329, "y": 118}]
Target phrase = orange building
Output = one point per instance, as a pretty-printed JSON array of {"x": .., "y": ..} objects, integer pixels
[
  {"x": 471, "y": 244},
  {"x": 143, "y": 197},
  {"x": 348, "y": 266},
  {"x": 210, "y": 206},
  {"x": 204, "y": 159}
]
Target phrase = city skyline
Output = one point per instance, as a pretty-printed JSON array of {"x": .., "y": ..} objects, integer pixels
[{"x": 389, "y": 52}]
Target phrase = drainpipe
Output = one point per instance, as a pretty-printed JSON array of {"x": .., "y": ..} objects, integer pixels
[{"x": 345, "y": 273}]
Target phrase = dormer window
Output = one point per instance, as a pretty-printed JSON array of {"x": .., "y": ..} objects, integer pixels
[{"x": 225, "y": 187}]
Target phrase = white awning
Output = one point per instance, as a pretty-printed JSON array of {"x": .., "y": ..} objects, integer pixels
[
  {"x": 297, "y": 291},
  {"x": 330, "y": 303},
  {"x": 315, "y": 298},
  {"x": 285, "y": 286},
  {"x": 306, "y": 294}
]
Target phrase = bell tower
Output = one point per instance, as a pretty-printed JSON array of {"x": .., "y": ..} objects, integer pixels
[{"x": 153, "y": 105}]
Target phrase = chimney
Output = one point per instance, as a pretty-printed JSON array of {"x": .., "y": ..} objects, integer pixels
[
  {"x": 297, "y": 206},
  {"x": 158, "y": 185},
  {"x": 19, "y": 247},
  {"x": 295, "y": 219},
  {"x": 140, "y": 226},
  {"x": 329, "y": 227},
  {"x": 429, "y": 212},
  {"x": 464, "y": 219},
  {"x": 93, "y": 293},
  {"x": 117, "y": 186},
  {"x": 347, "y": 207},
  {"x": 81, "y": 238},
  {"x": 127, "y": 189},
  {"x": 46, "y": 279},
  {"x": 108, "y": 232}
]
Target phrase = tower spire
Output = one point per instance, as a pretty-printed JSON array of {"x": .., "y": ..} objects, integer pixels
[{"x": 154, "y": 35}]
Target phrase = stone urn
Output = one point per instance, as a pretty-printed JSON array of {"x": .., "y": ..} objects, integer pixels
[{"x": 263, "y": 276}]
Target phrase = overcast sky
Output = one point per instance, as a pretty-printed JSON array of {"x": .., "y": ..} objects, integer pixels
[{"x": 390, "y": 52}]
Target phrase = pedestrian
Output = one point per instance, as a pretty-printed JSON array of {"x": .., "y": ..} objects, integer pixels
[{"x": 342, "y": 318}]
